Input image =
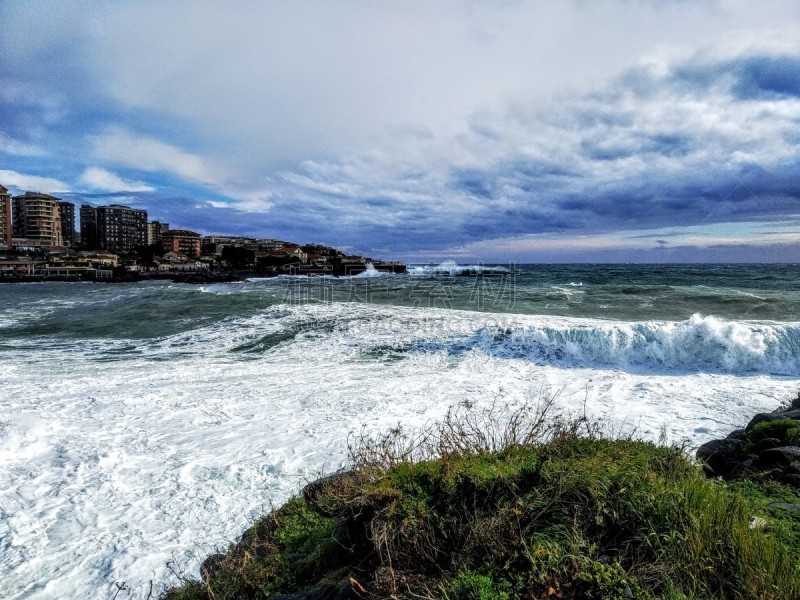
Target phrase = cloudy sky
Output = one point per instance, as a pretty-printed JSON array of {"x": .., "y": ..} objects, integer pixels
[{"x": 540, "y": 131}]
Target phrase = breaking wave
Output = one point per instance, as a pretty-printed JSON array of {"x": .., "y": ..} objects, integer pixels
[
  {"x": 701, "y": 343},
  {"x": 449, "y": 267}
]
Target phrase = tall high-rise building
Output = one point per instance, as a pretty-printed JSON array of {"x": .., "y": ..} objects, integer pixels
[
  {"x": 154, "y": 230},
  {"x": 114, "y": 228},
  {"x": 67, "y": 210},
  {"x": 37, "y": 218},
  {"x": 89, "y": 239},
  {"x": 5, "y": 217}
]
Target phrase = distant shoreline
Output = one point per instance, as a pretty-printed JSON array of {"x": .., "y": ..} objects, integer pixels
[{"x": 175, "y": 278}]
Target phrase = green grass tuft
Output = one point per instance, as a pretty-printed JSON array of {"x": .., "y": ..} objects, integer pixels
[{"x": 782, "y": 429}]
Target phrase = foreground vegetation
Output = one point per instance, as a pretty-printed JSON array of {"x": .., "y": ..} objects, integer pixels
[{"x": 532, "y": 506}]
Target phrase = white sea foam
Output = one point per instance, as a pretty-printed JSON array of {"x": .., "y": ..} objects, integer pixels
[
  {"x": 370, "y": 271},
  {"x": 571, "y": 293},
  {"x": 118, "y": 454},
  {"x": 450, "y": 267}
]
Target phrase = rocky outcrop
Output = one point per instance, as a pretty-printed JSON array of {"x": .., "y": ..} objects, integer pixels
[{"x": 769, "y": 447}]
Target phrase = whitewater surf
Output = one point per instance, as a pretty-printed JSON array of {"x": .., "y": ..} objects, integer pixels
[{"x": 143, "y": 423}]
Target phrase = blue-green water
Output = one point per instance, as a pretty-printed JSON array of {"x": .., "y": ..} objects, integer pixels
[
  {"x": 148, "y": 421},
  {"x": 616, "y": 292}
]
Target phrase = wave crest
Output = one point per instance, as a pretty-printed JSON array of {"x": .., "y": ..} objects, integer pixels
[
  {"x": 701, "y": 343},
  {"x": 451, "y": 268}
]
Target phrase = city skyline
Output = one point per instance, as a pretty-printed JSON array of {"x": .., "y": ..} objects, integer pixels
[{"x": 648, "y": 131}]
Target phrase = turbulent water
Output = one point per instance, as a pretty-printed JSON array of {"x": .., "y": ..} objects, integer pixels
[{"x": 141, "y": 423}]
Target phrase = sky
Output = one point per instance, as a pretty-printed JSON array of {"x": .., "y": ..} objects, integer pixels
[{"x": 496, "y": 131}]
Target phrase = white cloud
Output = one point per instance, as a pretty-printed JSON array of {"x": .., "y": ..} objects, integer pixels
[
  {"x": 33, "y": 183},
  {"x": 287, "y": 81},
  {"x": 100, "y": 179},
  {"x": 121, "y": 147},
  {"x": 9, "y": 145}
]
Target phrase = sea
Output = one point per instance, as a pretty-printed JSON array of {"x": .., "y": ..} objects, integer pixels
[{"x": 145, "y": 425}]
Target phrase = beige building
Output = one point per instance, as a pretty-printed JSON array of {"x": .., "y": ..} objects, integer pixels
[
  {"x": 154, "y": 231},
  {"x": 5, "y": 217},
  {"x": 178, "y": 261},
  {"x": 37, "y": 217},
  {"x": 97, "y": 259},
  {"x": 291, "y": 251},
  {"x": 15, "y": 267}
]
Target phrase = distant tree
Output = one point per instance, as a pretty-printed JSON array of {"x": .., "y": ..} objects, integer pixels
[
  {"x": 208, "y": 249},
  {"x": 145, "y": 254},
  {"x": 277, "y": 260},
  {"x": 238, "y": 258},
  {"x": 320, "y": 249}
]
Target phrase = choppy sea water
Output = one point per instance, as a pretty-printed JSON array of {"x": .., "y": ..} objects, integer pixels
[{"x": 141, "y": 423}]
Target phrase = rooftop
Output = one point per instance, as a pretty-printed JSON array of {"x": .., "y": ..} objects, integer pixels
[
  {"x": 37, "y": 195},
  {"x": 185, "y": 232}
]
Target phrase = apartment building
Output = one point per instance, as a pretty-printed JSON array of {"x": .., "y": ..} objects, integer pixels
[
  {"x": 5, "y": 217},
  {"x": 37, "y": 219},
  {"x": 181, "y": 240},
  {"x": 67, "y": 210},
  {"x": 89, "y": 237},
  {"x": 114, "y": 228}
]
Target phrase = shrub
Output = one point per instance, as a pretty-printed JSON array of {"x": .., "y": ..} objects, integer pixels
[{"x": 472, "y": 586}]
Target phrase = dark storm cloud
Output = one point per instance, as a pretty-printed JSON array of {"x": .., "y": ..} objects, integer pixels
[
  {"x": 759, "y": 77},
  {"x": 697, "y": 141},
  {"x": 645, "y": 152}
]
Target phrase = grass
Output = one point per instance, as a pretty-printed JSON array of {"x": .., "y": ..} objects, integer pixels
[
  {"x": 769, "y": 500},
  {"x": 781, "y": 429},
  {"x": 531, "y": 506}
]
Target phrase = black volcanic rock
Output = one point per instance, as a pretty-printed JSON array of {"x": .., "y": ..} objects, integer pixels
[
  {"x": 784, "y": 455},
  {"x": 788, "y": 479},
  {"x": 743, "y": 453},
  {"x": 737, "y": 434},
  {"x": 763, "y": 418},
  {"x": 716, "y": 453},
  {"x": 732, "y": 469},
  {"x": 766, "y": 444}
]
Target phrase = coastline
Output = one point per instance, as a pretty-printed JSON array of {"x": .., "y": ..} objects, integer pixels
[
  {"x": 202, "y": 277},
  {"x": 198, "y": 278}
]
